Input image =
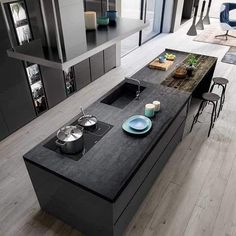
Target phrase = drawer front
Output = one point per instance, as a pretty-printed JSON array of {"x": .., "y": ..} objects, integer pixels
[{"x": 152, "y": 158}]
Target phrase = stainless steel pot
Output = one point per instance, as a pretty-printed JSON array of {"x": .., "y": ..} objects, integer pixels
[
  {"x": 88, "y": 122},
  {"x": 70, "y": 139}
]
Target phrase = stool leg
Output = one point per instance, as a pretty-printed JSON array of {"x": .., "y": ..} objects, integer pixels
[
  {"x": 221, "y": 100},
  {"x": 212, "y": 86},
  {"x": 195, "y": 119},
  {"x": 212, "y": 118}
]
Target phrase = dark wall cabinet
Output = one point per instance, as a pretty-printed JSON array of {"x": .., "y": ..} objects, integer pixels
[
  {"x": 54, "y": 85},
  {"x": 110, "y": 58},
  {"x": 16, "y": 104},
  {"x": 97, "y": 66},
  {"x": 82, "y": 74}
]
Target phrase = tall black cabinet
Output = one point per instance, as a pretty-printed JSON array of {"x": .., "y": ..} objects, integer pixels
[{"x": 16, "y": 104}]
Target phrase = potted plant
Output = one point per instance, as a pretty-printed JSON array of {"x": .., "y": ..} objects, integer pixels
[{"x": 191, "y": 63}]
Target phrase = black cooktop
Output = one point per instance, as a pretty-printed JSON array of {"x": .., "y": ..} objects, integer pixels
[{"x": 90, "y": 139}]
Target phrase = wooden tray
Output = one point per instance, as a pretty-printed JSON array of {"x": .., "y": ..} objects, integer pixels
[{"x": 160, "y": 66}]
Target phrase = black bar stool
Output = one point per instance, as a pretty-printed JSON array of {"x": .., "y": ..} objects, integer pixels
[
  {"x": 222, "y": 82},
  {"x": 207, "y": 98}
]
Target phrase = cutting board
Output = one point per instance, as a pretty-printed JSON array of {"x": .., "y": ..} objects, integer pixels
[{"x": 160, "y": 66}]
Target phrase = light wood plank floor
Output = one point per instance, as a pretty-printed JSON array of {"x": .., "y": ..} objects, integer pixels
[{"x": 196, "y": 191}]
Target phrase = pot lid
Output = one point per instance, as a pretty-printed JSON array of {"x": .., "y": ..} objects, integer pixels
[
  {"x": 87, "y": 121},
  {"x": 69, "y": 133}
]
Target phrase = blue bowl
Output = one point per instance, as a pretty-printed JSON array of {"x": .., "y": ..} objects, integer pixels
[
  {"x": 138, "y": 123},
  {"x": 112, "y": 15}
]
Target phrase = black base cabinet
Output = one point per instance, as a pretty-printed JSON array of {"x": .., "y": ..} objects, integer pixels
[
  {"x": 93, "y": 214},
  {"x": 3, "y": 128}
]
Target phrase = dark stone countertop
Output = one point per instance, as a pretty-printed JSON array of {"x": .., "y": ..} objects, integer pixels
[{"x": 107, "y": 168}]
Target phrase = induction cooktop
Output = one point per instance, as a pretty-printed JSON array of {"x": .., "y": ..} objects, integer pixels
[{"x": 91, "y": 138}]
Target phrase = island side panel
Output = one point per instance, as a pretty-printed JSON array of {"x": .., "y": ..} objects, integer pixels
[
  {"x": 144, "y": 168},
  {"x": 205, "y": 84},
  {"x": 75, "y": 206},
  {"x": 144, "y": 188}
]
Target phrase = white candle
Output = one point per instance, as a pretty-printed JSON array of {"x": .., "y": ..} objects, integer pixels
[
  {"x": 149, "y": 110},
  {"x": 90, "y": 20},
  {"x": 157, "y": 105}
]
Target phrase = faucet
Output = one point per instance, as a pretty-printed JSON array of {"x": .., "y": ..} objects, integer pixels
[{"x": 139, "y": 87}]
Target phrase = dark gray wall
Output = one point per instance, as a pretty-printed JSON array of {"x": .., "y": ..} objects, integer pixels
[
  {"x": 97, "y": 65},
  {"x": 15, "y": 98},
  {"x": 82, "y": 74},
  {"x": 100, "y": 6},
  {"x": 36, "y": 20}
]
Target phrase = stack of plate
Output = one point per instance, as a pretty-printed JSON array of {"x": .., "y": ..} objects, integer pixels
[{"x": 137, "y": 124}]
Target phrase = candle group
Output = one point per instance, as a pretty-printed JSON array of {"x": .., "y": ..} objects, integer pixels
[{"x": 151, "y": 108}]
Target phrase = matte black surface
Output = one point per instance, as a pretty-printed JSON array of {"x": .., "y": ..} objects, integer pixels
[
  {"x": 15, "y": 96},
  {"x": 3, "y": 127},
  {"x": 110, "y": 58},
  {"x": 82, "y": 74},
  {"x": 122, "y": 96},
  {"x": 54, "y": 85},
  {"x": 97, "y": 66},
  {"x": 150, "y": 178},
  {"x": 107, "y": 167}
]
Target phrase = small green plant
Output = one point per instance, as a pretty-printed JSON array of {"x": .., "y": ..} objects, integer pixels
[{"x": 192, "y": 61}]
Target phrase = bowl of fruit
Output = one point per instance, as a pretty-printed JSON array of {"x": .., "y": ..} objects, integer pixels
[{"x": 170, "y": 56}]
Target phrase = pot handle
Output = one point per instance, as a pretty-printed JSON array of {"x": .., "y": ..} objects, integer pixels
[{"x": 60, "y": 143}]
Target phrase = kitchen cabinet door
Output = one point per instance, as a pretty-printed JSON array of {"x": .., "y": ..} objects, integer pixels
[
  {"x": 3, "y": 128},
  {"x": 97, "y": 65},
  {"x": 82, "y": 74},
  {"x": 110, "y": 58},
  {"x": 54, "y": 85},
  {"x": 15, "y": 97}
]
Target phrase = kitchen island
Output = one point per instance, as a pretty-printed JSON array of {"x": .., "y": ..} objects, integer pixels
[{"x": 100, "y": 192}]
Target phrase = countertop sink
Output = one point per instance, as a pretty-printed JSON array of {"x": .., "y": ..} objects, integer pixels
[{"x": 123, "y": 95}]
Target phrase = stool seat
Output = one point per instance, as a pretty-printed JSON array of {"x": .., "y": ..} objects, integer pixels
[
  {"x": 220, "y": 80},
  {"x": 211, "y": 97}
]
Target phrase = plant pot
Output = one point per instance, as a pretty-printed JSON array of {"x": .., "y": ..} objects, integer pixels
[{"x": 190, "y": 70}]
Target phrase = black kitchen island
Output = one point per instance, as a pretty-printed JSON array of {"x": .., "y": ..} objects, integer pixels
[{"x": 100, "y": 192}]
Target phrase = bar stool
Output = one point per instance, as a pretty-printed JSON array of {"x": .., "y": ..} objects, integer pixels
[
  {"x": 222, "y": 82},
  {"x": 207, "y": 98}
]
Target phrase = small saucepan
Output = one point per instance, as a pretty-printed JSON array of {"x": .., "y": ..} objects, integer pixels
[
  {"x": 70, "y": 139},
  {"x": 88, "y": 122}
]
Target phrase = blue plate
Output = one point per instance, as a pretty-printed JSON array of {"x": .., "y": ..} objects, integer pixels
[
  {"x": 126, "y": 127},
  {"x": 138, "y": 123}
]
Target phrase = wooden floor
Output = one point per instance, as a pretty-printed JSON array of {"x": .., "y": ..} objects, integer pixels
[{"x": 196, "y": 191}]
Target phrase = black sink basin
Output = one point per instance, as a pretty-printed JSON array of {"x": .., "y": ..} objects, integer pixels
[{"x": 123, "y": 95}]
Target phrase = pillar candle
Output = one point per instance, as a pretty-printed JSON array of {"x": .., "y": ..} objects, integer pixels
[
  {"x": 149, "y": 110},
  {"x": 90, "y": 20},
  {"x": 157, "y": 105}
]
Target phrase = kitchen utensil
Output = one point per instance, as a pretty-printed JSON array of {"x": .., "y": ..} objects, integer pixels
[
  {"x": 180, "y": 73},
  {"x": 70, "y": 139},
  {"x": 89, "y": 122},
  {"x": 129, "y": 130},
  {"x": 138, "y": 122}
]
